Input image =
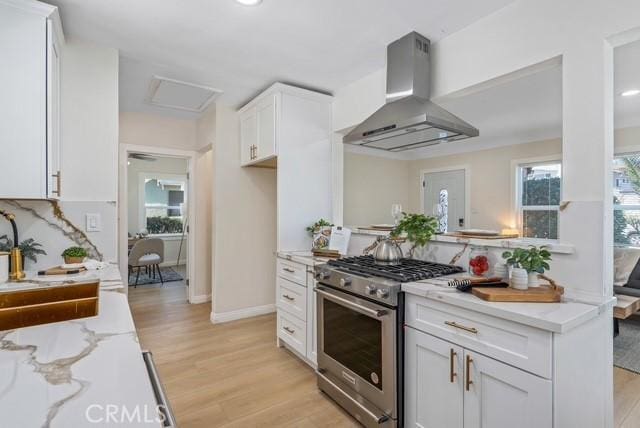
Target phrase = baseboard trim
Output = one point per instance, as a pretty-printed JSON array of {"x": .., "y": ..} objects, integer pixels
[
  {"x": 222, "y": 317},
  {"x": 203, "y": 298}
]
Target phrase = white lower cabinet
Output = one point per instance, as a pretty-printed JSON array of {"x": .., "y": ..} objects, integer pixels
[
  {"x": 449, "y": 386},
  {"x": 296, "y": 306}
]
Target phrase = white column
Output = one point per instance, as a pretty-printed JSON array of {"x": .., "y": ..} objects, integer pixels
[{"x": 587, "y": 150}]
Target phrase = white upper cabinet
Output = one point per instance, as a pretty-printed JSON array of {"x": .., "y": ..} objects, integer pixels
[
  {"x": 30, "y": 38},
  {"x": 258, "y": 129}
]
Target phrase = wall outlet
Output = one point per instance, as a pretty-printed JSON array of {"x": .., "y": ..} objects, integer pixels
[{"x": 94, "y": 223}]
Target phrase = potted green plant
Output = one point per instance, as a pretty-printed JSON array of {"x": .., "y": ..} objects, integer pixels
[
  {"x": 534, "y": 260},
  {"x": 320, "y": 232},
  {"x": 29, "y": 248},
  {"x": 419, "y": 229},
  {"x": 74, "y": 255},
  {"x": 518, "y": 275}
]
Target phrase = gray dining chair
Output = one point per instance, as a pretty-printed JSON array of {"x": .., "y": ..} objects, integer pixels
[{"x": 147, "y": 253}]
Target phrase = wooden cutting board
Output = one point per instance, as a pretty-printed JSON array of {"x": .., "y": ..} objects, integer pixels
[
  {"x": 541, "y": 294},
  {"x": 59, "y": 270}
]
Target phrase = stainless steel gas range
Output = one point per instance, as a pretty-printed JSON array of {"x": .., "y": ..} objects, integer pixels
[{"x": 360, "y": 334}]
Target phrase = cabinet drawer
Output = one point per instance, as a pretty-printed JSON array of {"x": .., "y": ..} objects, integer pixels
[
  {"x": 292, "y": 298},
  {"x": 292, "y": 331},
  {"x": 517, "y": 344},
  {"x": 292, "y": 271}
]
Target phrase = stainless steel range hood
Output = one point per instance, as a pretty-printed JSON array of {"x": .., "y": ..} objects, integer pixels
[{"x": 409, "y": 120}]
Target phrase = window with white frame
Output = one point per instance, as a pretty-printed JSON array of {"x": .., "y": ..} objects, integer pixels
[
  {"x": 626, "y": 200},
  {"x": 539, "y": 192},
  {"x": 162, "y": 203}
]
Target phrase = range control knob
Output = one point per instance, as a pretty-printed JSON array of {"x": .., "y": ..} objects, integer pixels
[
  {"x": 370, "y": 289},
  {"x": 382, "y": 293},
  {"x": 322, "y": 275},
  {"x": 345, "y": 282}
]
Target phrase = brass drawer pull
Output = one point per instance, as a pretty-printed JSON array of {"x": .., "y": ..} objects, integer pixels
[
  {"x": 288, "y": 270},
  {"x": 286, "y": 296},
  {"x": 452, "y": 372},
  {"x": 468, "y": 381},
  {"x": 462, "y": 327},
  {"x": 288, "y": 330}
]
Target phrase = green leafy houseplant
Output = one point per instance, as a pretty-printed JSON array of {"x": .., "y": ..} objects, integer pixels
[
  {"x": 29, "y": 247},
  {"x": 74, "y": 254},
  {"x": 318, "y": 225},
  {"x": 533, "y": 259},
  {"x": 419, "y": 229}
]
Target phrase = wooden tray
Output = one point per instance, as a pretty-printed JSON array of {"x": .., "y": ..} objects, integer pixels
[
  {"x": 59, "y": 270},
  {"x": 35, "y": 306},
  {"x": 331, "y": 254},
  {"x": 541, "y": 294}
]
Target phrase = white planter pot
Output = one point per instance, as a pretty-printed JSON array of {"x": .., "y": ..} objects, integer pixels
[
  {"x": 519, "y": 279},
  {"x": 534, "y": 281}
]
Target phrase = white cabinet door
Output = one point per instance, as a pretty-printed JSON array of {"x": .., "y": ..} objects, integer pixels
[
  {"x": 248, "y": 136},
  {"x": 53, "y": 114},
  {"x": 266, "y": 112},
  {"x": 433, "y": 382},
  {"x": 23, "y": 112},
  {"x": 500, "y": 396},
  {"x": 312, "y": 345}
]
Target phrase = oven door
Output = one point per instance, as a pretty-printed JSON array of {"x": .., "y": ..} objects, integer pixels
[{"x": 357, "y": 346}]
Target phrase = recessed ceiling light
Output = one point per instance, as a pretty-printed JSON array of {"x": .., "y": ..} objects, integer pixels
[
  {"x": 249, "y": 2},
  {"x": 630, "y": 92}
]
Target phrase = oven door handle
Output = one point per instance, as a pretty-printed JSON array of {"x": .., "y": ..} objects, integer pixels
[{"x": 371, "y": 312}]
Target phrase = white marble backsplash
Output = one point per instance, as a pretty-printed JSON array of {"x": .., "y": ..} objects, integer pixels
[{"x": 41, "y": 225}]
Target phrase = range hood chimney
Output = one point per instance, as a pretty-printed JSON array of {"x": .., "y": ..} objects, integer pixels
[{"x": 409, "y": 120}]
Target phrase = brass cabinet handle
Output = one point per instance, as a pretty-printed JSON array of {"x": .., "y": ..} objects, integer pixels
[
  {"x": 286, "y": 296},
  {"x": 255, "y": 152},
  {"x": 288, "y": 330},
  {"x": 286, "y": 269},
  {"x": 452, "y": 372},
  {"x": 468, "y": 381},
  {"x": 462, "y": 327},
  {"x": 57, "y": 176}
]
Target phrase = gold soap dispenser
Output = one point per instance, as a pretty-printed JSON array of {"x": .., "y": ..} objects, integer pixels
[{"x": 16, "y": 273}]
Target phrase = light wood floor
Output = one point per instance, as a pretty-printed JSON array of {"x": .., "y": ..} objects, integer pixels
[
  {"x": 228, "y": 375},
  {"x": 232, "y": 375}
]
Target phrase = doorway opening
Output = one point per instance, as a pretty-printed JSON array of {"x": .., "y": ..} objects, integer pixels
[{"x": 156, "y": 218}]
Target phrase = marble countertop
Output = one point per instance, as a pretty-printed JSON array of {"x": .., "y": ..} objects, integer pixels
[
  {"x": 71, "y": 373},
  {"x": 305, "y": 257},
  {"x": 555, "y": 317}
]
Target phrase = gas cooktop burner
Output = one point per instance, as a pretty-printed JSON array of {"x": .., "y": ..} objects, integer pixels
[{"x": 408, "y": 270}]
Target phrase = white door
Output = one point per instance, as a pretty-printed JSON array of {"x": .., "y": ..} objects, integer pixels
[
  {"x": 444, "y": 197},
  {"x": 433, "y": 382},
  {"x": 500, "y": 396}
]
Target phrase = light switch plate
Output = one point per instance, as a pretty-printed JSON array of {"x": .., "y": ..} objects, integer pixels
[{"x": 94, "y": 223}]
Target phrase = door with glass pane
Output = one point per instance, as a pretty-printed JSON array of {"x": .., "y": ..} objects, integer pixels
[{"x": 444, "y": 198}]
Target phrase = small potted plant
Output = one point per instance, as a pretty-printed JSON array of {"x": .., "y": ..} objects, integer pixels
[
  {"x": 519, "y": 279},
  {"x": 419, "y": 229},
  {"x": 29, "y": 248},
  {"x": 320, "y": 232},
  {"x": 74, "y": 255},
  {"x": 534, "y": 260}
]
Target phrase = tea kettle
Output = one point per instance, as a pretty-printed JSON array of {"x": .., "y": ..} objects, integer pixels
[{"x": 387, "y": 252}]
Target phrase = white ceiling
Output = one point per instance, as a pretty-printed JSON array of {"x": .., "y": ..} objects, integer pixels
[
  {"x": 321, "y": 44},
  {"x": 627, "y": 76}
]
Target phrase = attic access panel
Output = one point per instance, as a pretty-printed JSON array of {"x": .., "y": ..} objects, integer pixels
[{"x": 176, "y": 94}]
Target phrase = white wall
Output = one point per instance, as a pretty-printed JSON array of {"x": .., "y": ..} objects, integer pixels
[
  {"x": 157, "y": 131},
  {"x": 244, "y": 226},
  {"x": 371, "y": 185},
  {"x": 89, "y": 99}
]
